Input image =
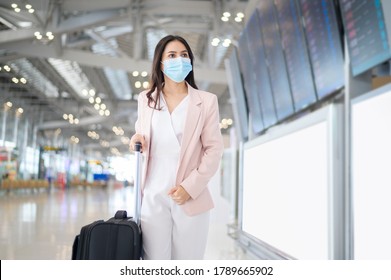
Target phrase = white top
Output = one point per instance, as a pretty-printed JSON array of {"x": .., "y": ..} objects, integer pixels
[
  {"x": 166, "y": 136},
  {"x": 178, "y": 116},
  {"x": 166, "y": 127}
]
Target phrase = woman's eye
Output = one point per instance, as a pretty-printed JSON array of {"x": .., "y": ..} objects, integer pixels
[
  {"x": 171, "y": 55},
  {"x": 185, "y": 55}
]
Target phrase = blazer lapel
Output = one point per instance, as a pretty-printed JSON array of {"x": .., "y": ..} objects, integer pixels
[
  {"x": 148, "y": 119},
  {"x": 193, "y": 115},
  {"x": 146, "y": 124}
]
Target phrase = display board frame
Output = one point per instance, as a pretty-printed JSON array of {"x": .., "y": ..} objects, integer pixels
[
  {"x": 370, "y": 152},
  {"x": 331, "y": 115}
]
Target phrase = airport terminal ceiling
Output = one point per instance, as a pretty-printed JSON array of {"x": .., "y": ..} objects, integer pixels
[{"x": 78, "y": 65}]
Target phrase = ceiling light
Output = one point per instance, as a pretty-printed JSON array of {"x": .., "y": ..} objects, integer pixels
[
  {"x": 107, "y": 113},
  {"x": 31, "y": 11},
  {"x": 84, "y": 92},
  {"x": 92, "y": 92},
  {"x": 70, "y": 116},
  {"x": 28, "y": 6},
  {"x": 135, "y": 73},
  {"x": 25, "y": 24},
  {"x": 17, "y": 10},
  {"x": 137, "y": 84},
  {"x": 76, "y": 121},
  {"x": 9, "y": 104},
  {"x": 15, "y": 80},
  {"x": 91, "y": 100},
  {"x": 104, "y": 143},
  {"x": 125, "y": 140},
  {"x": 98, "y": 100},
  {"x": 50, "y": 35},
  {"x": 13, "y": 5},
  {"x": 103, "y": 106},
  {"x": 145, "y": 85},
  {"x": 240, "y": 15},
  {"x": 23, "y": 80},
  {"x": 93, "y": 134},
  {"x": 74, "y": 139},
  {"x": 238, "y": 19},
  {"x": 144, "y": 73},
  {"x": 20, "y": 110},
  {"x": 226, "y": 43},
  {"x": 226, "y": 14},
  {"x": 65, "y": 116},
  {"x": 39, "y": 36},
  {"x": 225, "y": 19},
  {"x": 101, "y": 112},
  {"x": 7, "y": 68},
  {"x": 96, "y": 106},
  {"x": 215, "y": 42},
  {"x": 225, "y": 123}
]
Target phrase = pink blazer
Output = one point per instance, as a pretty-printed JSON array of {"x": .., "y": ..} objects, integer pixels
[{"x": 201, "y": 148}]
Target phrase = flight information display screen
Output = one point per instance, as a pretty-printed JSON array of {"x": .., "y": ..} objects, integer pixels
[
  {"x": 324, "y": 45},
  {"x": 256, "y": 51},
  {"x": 296, "y": 54},
  {"x": 250, "y": 84},
  {"x": 275, "y": 60},
  {"x": 237, "y": 95},
  {"x": 366, "y": 33}
]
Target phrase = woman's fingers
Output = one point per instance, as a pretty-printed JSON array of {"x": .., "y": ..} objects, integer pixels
[
  {"x": 137, "y": 138},
  {"x": 179, "y": 195}
]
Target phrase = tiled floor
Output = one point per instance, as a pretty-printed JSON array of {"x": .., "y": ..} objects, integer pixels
[{"x": 41, "y": 225}]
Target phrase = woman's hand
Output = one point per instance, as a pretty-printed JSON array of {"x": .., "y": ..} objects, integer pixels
[
  {"x": 138, "y": 138},
  {"x": 179, "y": 195}
]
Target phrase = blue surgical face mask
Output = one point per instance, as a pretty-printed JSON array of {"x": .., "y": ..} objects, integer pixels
[{"x": 177, "y": 69}]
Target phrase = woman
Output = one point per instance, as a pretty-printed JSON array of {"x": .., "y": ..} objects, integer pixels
[{"x": 178, "y": 127}]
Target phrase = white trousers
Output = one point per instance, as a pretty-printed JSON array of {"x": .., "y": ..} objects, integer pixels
[{"x": 168, "y": 233}]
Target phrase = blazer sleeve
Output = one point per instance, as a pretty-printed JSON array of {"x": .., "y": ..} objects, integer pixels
[{"x": 212, "y": 149}]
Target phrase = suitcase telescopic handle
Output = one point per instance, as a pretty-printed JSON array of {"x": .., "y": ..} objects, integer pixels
[{"x": 137, "y": 184}]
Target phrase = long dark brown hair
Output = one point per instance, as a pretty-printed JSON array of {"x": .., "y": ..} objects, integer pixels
[{"x": 157, "y": 77}]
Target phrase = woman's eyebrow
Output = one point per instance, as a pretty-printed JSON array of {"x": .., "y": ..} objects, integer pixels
[{"x": 184, "y": 51}]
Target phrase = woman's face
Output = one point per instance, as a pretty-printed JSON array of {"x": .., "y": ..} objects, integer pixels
[{"x": 174, "y": 49}]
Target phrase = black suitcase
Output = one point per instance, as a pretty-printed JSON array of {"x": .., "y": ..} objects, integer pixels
[{"x": 118, "y": 238}]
